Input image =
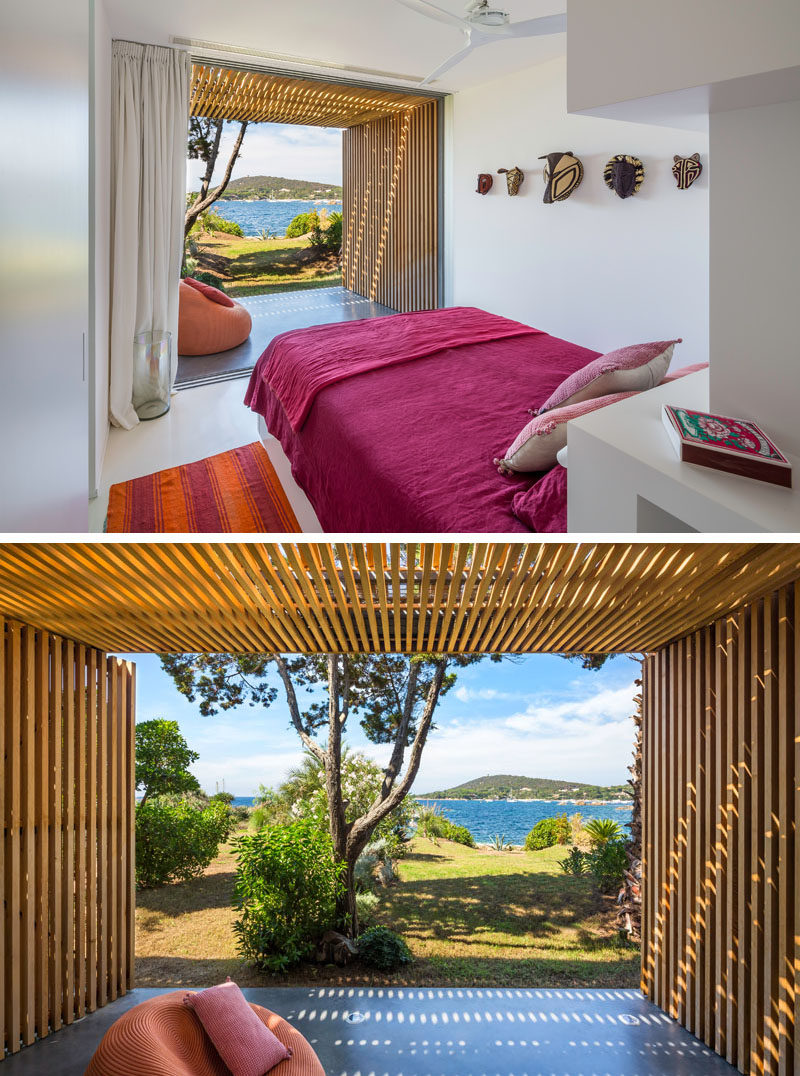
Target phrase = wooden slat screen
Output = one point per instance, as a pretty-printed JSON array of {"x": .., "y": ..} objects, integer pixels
[
  {"x": 484, "y": 597},
  {"x": 237, "y": 94},
  {"x": 390, "y": 235},
  {"x": 66, "y": 869},
  {"x": 721, "y": 938}
]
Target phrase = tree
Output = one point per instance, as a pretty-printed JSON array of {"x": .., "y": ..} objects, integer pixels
[
  {"x": 204, "y": 140},
  {"x": 394, "y": 696},
  {"x": 162, "y": 759}
]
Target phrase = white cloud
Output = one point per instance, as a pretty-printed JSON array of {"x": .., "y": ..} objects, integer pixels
[
  {"x": 586, "y": 739},
  {"x": 468, "y": 694}
]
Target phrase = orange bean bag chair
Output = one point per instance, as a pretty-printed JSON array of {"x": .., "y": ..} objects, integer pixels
[
  {"x": 206, "y": 326},
  {"x": 164, "y": 1037}
]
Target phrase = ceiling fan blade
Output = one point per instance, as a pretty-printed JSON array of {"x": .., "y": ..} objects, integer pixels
[
  {"x": 548, "y": 24},
  {"x": 456, "y": 58},
  {"x": 423, "y": 7}
]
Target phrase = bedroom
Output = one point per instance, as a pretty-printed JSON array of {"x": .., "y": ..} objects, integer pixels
[{"x": 596, "y": 271}]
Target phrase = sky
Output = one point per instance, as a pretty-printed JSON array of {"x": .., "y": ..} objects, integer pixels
[
  {"x": 543, "y": 717},
  {"x": 277, "y": 149}
]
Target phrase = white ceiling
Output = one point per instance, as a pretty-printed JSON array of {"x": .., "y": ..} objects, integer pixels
[{"x": 376, "y": 34}]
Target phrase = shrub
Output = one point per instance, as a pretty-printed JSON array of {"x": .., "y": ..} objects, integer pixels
[
  {"x": 304, "y": 795},
  {"x": 213, "y": 222},
  {"x": 547, "y": 832},
  {"x": 607, "y": 864},
  {"x": 383, "y": 949},
  {"x": 602, "y": 830},
  {"x": 433, "y": 824},
  {"x": 366, "y": 904},
  {"x": 374, "y": 867},
  {"x": 176, "y": 841},
  {"x": 302, "y": 224},
  {"x": 576, "y": 863},
  {"x": 327, "y": 235},
  {"x": 499, "y": 843},
  {"x": 287, "y": 884}
]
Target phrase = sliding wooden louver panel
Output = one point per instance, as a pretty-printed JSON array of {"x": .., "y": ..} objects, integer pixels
[
  {"x": 66, "y": 860},
  {"x": 721, "y": 939},
  {"x": 390, "y": 239}
]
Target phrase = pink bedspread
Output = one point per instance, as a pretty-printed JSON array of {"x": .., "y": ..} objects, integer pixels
[
  {"x": 297, "y": 365},
  {"x": 409, "y": 448}
]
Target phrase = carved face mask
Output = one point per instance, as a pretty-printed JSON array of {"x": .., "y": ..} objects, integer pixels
[
  {"x": 624, "y": 175},
  {"x": 514, "y": 176},
  {"x": 562, "y": 174},
  {"x": 484, "y": 183},
  {"x": 686, "y": 170}
]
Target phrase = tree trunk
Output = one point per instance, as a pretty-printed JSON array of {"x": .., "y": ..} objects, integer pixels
[
  {"x": 346, "y": 908},
  {"x": 205, "y": 200}
]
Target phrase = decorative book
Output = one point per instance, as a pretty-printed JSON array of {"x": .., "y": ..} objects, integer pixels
[{"x": 726, "y": 444}]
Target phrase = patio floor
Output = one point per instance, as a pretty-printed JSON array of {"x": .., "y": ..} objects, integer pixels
[
  {"x": 442, "y": 1032},
  {"x": 274, "y": 314}
]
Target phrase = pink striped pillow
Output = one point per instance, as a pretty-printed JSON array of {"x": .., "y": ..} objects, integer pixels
[
  {"x": 682, "y": 371},
  {"x": 246, "y": 1046},
  {"x": 535, "y": 446},
  {"x": 629, "y": 369}
]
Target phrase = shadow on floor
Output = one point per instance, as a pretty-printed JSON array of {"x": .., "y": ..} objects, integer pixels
[
  {"x": 274, "y": 314},
  {"x": 442, "y": 1032}
]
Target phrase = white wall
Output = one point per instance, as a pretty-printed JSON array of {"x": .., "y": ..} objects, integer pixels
[
  {"x": 620, "y": 49},
  {"x": 755, "y": 268},
  {"x": 595, "y": 269},
  {"x": 100, "y": 216}
]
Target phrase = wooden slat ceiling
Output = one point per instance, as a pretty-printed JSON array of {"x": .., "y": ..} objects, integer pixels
[
  {"x": 225, "y": 93},
  {"x": 444, "y": 597}
]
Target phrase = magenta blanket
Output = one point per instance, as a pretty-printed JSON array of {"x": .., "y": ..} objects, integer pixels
[
  {"x": 408, "y": 449},
  {"x": 297, "y": 365}
]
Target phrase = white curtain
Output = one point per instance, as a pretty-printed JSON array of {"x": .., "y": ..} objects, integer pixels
[{"x": 149, "y": 121}]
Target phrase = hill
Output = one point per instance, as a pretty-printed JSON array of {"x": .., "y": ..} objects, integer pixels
[
  {"x": 280, "y": 188},
  {"x": 503, "y": 785}
]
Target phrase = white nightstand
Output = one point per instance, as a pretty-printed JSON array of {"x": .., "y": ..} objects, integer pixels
[{"x": 624, "y": 475}]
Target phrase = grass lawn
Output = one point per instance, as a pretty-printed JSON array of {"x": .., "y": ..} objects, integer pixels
[
  {"x": 470, "y": 916},
  {"x": 253, "y": 266}
]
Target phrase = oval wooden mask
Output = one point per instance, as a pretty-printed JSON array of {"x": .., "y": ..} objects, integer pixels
[{"x": 562, "y": 173}]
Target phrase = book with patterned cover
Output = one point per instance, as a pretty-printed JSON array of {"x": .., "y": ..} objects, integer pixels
[
  {"x": 725, "y": 434},
  {"x": 728, "y": 444}
]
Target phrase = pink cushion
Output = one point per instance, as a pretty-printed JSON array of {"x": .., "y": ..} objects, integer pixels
[
  {"x": 683, "y": 371},
  {"x": 543, "y": 507},
  {"x": 212, "y": 293},
  {"x": 630, "y": 369},
  {"x": 535, "y": 446},
  {"x": 241, "y": 1040}
]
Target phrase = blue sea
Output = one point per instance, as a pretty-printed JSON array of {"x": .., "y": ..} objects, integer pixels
[
  {"x": 272, "y": 217},
  {"x": 514, "y": 820}
]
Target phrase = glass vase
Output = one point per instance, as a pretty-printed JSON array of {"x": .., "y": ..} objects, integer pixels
[{"x": 152, "y": 365}]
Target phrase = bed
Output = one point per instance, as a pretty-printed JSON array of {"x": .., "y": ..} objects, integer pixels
[{"x": 388, "y": 440}]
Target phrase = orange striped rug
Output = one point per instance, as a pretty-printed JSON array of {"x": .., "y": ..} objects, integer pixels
[{"x": 236, "y": 491}]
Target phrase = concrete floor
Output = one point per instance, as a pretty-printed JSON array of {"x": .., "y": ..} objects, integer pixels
[
  {"x": 274, "y": 314},
  {"x": 443, "y": 1032}
]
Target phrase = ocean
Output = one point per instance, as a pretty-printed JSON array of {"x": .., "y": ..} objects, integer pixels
[
  {"x": 514, "y": 820},
  {"x": 272, "y": 217}
]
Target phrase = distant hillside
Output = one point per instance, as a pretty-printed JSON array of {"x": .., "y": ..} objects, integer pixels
[
  {"x": 502, "y": 785},
  {"x": 280, "y": 188}
]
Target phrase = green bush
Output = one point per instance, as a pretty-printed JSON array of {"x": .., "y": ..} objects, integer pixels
[
  {"x": 602, "y": 830},
  {"x": 576, "y": 863},
  {"x": 327, "y": 235},
  {"x": 302, "y": 224},
  {"x": 213, "y": 222},
  {"x": 607, "y": 864},
  {"x": 547, "y": 832},
  {"x": 383, "y": 949},
  {"x": 287, "y": 884},
  {"x": 366, "y": 904},
  {"x": 176, "y": 841},
  {"x": 433, "y": 824}
]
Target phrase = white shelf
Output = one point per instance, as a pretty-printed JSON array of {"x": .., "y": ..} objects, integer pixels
[{"x": 624, "y": 475}]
